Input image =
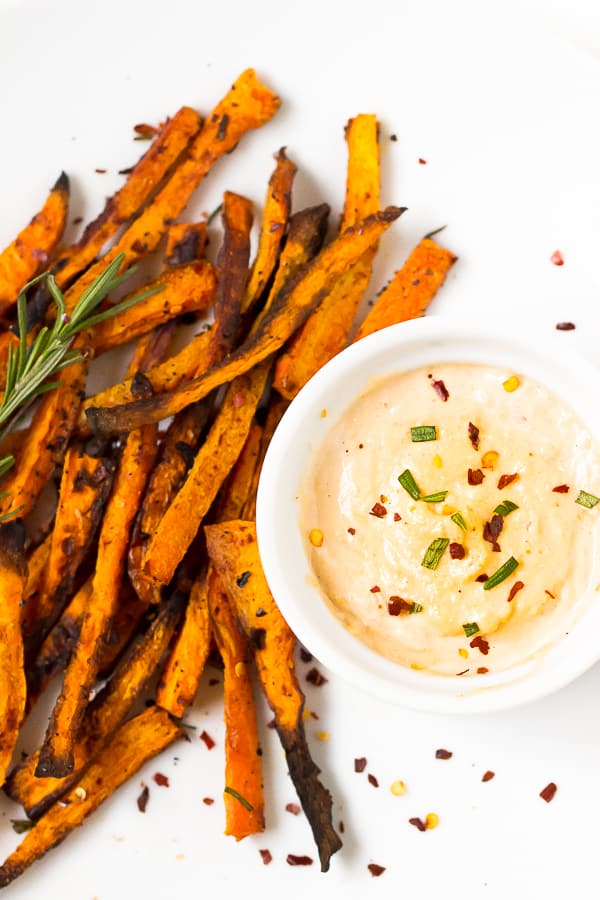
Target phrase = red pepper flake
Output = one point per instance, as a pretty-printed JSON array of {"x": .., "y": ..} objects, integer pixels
[
  {"x": 397, "y": 605},
  {"x": 341, "y": 826},
  {"x": 160, "y": 779},
  {"x": 208, "y": 801},
  {"x": 440, "y": 389},
  {"x": 565, "y": 326},
  {"x": 142, "y": 800},
  {"x": 145, "y": 130},
  {"x": 238, "y": 400},
  {"x": 305, "y": 656},
  {"x": 464, "y": 672},
  {"x": 360, "y": 764},
  {"x": 315, "y": 677},
  {"x": 474, "y": 436},
  {"x": 443, "y": 754},
  {"x": 266, "y": 856},
  {"x": 561, "y": 489},
  {"x": 207, "y": 740},
  {"x": 418, "y": 823},
  {"x": 550, "y": 594},
  {"x": 491, "y": 531},
  {"x": 352, "y": 531},
  {"x": 79, "y": 219},
  {"x": 548, "y": 792},
  {"x": 482, "y": 670},
  {"x": 373, "y": 868},
  {"x": 397, "y": 517},
  {"x": 505, "y": 480},
  {"x": 293, "y": 860},
  {"x": 557, "y": 258},
  {"x": 517, "y": 586},
  {"x": 483, "y": 577},
  {"x": 481, "y": 644},
  {"x": 475, "y": 476},
  {"x": 378, "y": 510},
  {"x": 487, "y": 776},
  {"x": 271, "y": 723},
  {"x": 372, "y": 780},
  {"x": 456, "y": 550},
  {"x": 101, "y": 171},
  {"x": 293, "y": 808},
  {"x": 422, "y": 162},
  {"x": 375, "y": 589},
  {"x": 213, "y": 681}
]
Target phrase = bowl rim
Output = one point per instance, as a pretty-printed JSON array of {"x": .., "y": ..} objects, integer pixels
[{"x": 567, "y": 372}]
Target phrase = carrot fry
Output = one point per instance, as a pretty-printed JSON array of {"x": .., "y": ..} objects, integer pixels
[
  {"x": 30, "y": 251},
  {"x": 288, "y": 312},
  {"x": 233, "y": 550},
  {"x": 243, "y": 770},
  {"x": 182, "y": 672},
  {"x": 13, "y": 571},
  {"x": 275, "y": 218},
  {"x": 107, "y": 712},
  {"x": 326, "y": 332},
  {"x": 186, "y": 242},
  {"x": 135, "y": 743},
  {"x": 412, "y": 288}
]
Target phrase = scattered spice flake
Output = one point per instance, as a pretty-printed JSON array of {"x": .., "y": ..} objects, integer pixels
[
  {"x": 375, "y": 589},
  {"x": 398, "y": 788},
  {"x": 456, "y": 550},
  {"x": 548, "y": 792},
  {"x": 341, "y": 826},
  {"x": 550, "y": 594},
  {"x": 305, "y": 656},
  {"x": 142, "y": 800},
  {"x": 511, "y": 384},
  {"x": 101, "y": 171},
  {"x": 360, "y": 764},
  {"x": 372, "y": 780},
  {"x": 352, "y": 531},
  {"x": 487, "y": 776},
  {"x": 293, "y": 808},
  {"x": 383, "y": 498},
  {"x": 557, "y": 258},
  {"x": 160, "y": 779},
  {"x": 266, "y": 856},
  {"x": 440, "y": 389},
  {"x": 315, "y": 536},
  {"x": 145, "y": 131},
  {"x": 378, "y": 510},
  {"x": 418, "y": 823},
  {"x": 474, "y": 436},
  {"x": 517, "y": 586},
  {"x": 489, "y": 459},
  {"x": 565, "y": 326},
  {"x": 373, "y": 868},
  {"x": 271, "y": 724},
  {"x": 208, "y": 801},
  {"x": 397, "y": 517},
  {"x": 481, "y": 644},
  {"x": 322, "y": 735},
  {"x": 207, "y": 740},
  {"x": 242, "y": 581},
  {"x": 464, "y": 654},
  {"x": 505, "y": 480},
  {"x": 393, "y": 137},
  {"x": 482, "y": 670},
  {"x": 464, "y": 672},
  {"x": 432, "y": 820},
  {"x": 443, "y": 754},
  {"x": 492, "y": 530},
  {"x": 475, "y": 476},
  {"x": 293, "y": 860},
  {"x": 126, "y": 171},
  {"x": 483, "y": 577},
  {"x": 79, "y": 219},
  {"x": 396, "y": 606},
  {"x": 213, "y": 681},
  {"x": 315, "y": 677},
  {"x": 422, "y": 162},
  {"x": 323, "y": 411},
  {"x": 561, "y": 489}
]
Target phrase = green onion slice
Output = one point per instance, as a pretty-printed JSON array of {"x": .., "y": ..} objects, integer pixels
[
  {"x": 435, "y": 498},
  {"x": 242, "y": 800},
  {"x": 434, "y": 553},
  {"x": 415, "y": 608},
  {"x": 505, "y": 508},
  {"x": 504, "y": 572},
  {"x": 457, "y": 518},
  {"x": 409, "y": 484},
  {"x": 587, "y": 500},
  {"x": 423, "y": 433},
  {"x": 470, "y": 628}
]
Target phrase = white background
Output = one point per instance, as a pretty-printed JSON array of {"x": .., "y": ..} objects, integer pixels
[{"x": 504, "y": 105}]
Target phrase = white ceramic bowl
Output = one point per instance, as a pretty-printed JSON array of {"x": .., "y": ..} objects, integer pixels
[{"x": 421, "y": 342}]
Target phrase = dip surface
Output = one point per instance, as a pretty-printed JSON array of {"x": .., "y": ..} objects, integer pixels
[{"x": 369, "y": 565}]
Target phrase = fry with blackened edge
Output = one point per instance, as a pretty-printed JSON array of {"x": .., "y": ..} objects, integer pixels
[
  {"x": 186, "y": 242},
  {"x": 288, "y": 312},
  {"x": 233, "y": 551},
  {"x": 13, "y": 571},
  {"x": 135, "y": 743}
]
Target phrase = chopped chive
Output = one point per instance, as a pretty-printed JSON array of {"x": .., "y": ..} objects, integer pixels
[
  {"x": 423, "y": 433},
  {"x": 242, "y": 800},
  {"x": 505, "y": 508},
  {"x": 434, "y": 553},
  {"x": 409, "y": 484},
  {"x": 415, "y": 608},
  {"x": 587, "y": 500},
  {"x": 435, "y": 498},
  {"x": 470, "y": 628},
  {"x": 458, "y": 520},
  {"x": 504, "y": 572}
]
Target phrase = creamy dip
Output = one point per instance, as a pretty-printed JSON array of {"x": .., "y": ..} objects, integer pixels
[{"x": 367, "y": 537}]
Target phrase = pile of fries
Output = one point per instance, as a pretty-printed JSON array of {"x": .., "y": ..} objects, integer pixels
[{"x": 149, "y": 561}]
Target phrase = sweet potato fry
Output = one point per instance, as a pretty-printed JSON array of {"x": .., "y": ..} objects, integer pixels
[
  {"x": 189, "y": 288},
  {"x": 36, "y": 567},
  {"x": 412, "y": 288},
  {"x": 233, "y": 551},
  {"x": 182, "y": 672},
  {"x": 186, "y": 242},
  {"x": 32, "y": 248},
  {"x": 288, "y": 312},
  {"x": 107, "y": 712},
  {"x": 326, "y": 332},
  {"x": 277, "y": 407},
  {"x": 240, "y": 482},
  {"x": 135, "y": 743},
  {"x": 272, "y": 230},
  {"x": 243, "y": 769},
  {"x": 13, "y": 571}
]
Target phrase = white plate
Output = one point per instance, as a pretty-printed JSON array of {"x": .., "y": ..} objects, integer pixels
[{"x": 506, "y": 118}]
